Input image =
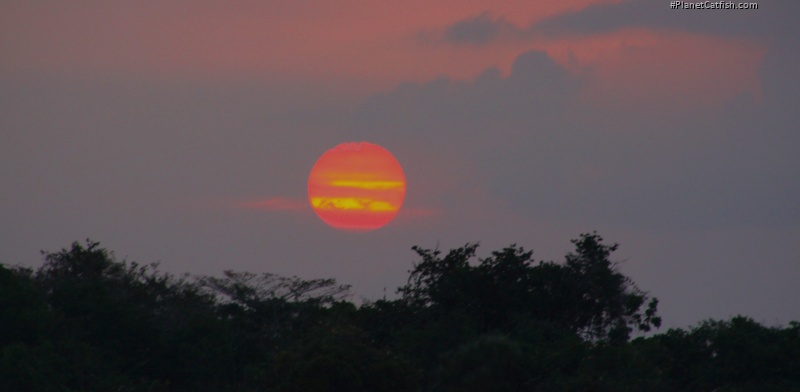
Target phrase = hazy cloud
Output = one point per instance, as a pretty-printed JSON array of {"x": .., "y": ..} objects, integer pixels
[{"x": 481, "y": 29}]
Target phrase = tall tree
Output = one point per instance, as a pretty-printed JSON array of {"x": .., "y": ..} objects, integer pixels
[
  {"x": 586, "y": 294},
  {"x": 605, "y": 303}
]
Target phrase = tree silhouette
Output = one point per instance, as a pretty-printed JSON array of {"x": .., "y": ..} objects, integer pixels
[
  {"x": 586, "y": 294},
  {"x": 85, "y": 321}
]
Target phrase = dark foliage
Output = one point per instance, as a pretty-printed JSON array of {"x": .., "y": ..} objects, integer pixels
[{"x": 85, "y": 321}]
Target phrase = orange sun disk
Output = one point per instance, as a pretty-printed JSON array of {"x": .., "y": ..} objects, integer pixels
[{"x": 356, "y": 186}]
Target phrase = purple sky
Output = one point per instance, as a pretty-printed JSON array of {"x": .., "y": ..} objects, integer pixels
[{"x": 184, "y": 132}]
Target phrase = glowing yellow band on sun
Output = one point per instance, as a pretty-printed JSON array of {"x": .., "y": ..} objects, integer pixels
[
  {"x": 351, "y": 203},
  {"x": 368, "y": 184}
]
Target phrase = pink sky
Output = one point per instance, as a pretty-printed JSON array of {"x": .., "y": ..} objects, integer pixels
[{"x": 366, "y": 45}]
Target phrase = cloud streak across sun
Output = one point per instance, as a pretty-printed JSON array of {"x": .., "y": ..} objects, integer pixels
[{"x": 274, "y": 204}]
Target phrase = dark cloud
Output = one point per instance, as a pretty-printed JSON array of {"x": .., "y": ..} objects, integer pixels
[
  {"x": 705, "y": 201},
  {"x": 773, "y": 18},
  {"x": 479, "y": 30},
  {"x": 536, "y": 83},
  {"x": 555, "y": 157}
]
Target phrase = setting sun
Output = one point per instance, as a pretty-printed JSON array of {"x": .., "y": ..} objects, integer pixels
[{"x": 356, "y": 186}]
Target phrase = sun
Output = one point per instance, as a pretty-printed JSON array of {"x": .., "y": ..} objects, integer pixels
[{"x": 356, "y": 186}]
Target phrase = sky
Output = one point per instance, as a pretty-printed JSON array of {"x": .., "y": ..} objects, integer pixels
[{"x": 183, "y": 133}]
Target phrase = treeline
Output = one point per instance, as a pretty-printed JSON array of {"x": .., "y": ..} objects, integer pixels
[{"x": 85, "y": 321}]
